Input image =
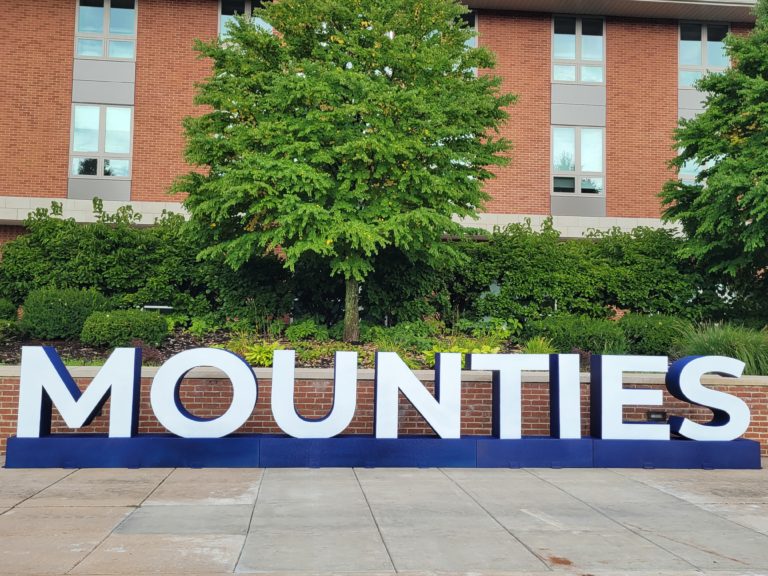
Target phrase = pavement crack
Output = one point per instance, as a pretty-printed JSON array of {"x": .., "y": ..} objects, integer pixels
[{"x": 39, "y": 491}]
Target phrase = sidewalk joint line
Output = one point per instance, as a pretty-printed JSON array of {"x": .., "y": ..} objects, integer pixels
[
  {"x": 250, "y": 520},
  {"x": 604, "y": 515},
  {"x": 375, "y": 522},
  {"x": 507, "y": 530},
  {"x": 39, "y": 491}
]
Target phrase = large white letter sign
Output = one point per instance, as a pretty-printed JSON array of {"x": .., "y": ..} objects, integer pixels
[
  {"x": 45, "y": 381},
  {"x": 442, "y": 412},
  {"x": 608, "y": 398},
  {"x": 564, "y": 396},
  {"x": 167, "y": 405},
  {"x": 507, "y": 375},
  {"x": 344, "y": 397},
  {"x": 731, "y": 414}
]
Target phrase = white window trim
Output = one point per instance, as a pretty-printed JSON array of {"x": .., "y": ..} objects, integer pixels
[
  {"x": 577, "y": 174},
  {"x": 248, "y": 10},
  {"x": 101, "y": 155},
  {"x": 577, "y": 62},
  {"x": 105, "y": 36},
  {"x": 703, "y": 68}
]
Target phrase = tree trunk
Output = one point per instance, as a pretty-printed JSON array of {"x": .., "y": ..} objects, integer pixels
[{"x": 352, "y": 311}]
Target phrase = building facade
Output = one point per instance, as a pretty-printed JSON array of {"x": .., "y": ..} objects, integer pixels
[{"x": 95, "y": 92}]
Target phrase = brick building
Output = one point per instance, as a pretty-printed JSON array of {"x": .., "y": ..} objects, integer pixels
[{"x": 94, "y": 93}]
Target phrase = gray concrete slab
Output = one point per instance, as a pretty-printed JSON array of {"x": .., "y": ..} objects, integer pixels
[
  {"x": 209, "y": 486},
  {"x": 429, "y": 523},
  {"x": 97, "y": 487},
  {"x": 174, "y": 554},
  {"x": 187, "y": 520},
  {"x": 18, "y": 485},
  {"x": 313, "y": 520},
  {"x": 416, "y": 522}
]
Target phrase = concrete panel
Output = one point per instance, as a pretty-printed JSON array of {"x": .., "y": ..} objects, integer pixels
[
  {"x": 104, "y": 71},
  {"x": 103, "y": 92},
  {"x": 578, "y": 205},
  {"x": 88, "y": 189},
  {"x": 586, "y": 95},
  {"x": 188, "y": 520},
  {"x": 578, "y": 115},
  {"x": 688, "y": 114},
  {"x": 690, "y": 99}
]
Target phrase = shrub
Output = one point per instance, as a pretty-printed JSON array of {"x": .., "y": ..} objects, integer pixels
[
  {"x": 8, "y": 309},
  {"x": 569, "y": 333},
  {"x": 262, "y": 353},
  {"x": 748, "y": 345},
  {"x": 538, "y": 345},
  {"x": 653, "y": 335},
  {"x": 51, "y": 313},
  {"x": 9, "y": 330},
  {"x": 306, "y": 329},
  {"x": 121, "y": 327}
]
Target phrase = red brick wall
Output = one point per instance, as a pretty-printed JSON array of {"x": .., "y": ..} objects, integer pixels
[
  {"x": 521, "y": 42},
  {"x": 35, "y": 97},
  {"x": 8, "y": 233},
  {"x": 210, "y": 398},
  {"x": 166, "y": 70},
  {"x": 641, "y": 82}
]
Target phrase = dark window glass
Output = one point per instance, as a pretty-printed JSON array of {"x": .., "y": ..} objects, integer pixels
[
  {"x": 564, "y": 184},
  {"x": 716, "y": 33},
  {"x": 469, "y": 19},
  {"x": 690, "y": 32},
  {"x": 592, "y": 27},
  {"x": 232, "y": 7},
  {"x": 124, "y": 4},
  {"x": 84, "y": 166},
  {"x": 565, "y": 26}
]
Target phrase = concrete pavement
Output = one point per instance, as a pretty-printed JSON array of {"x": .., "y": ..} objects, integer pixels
[{"x": 383, "y": 521}]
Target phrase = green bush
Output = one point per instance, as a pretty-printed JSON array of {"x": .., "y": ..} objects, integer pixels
[
  {"x": 653, "y": 335},
  {"x": 8, "y": 309},
  {"x": 9, "y": 330},
  {"x": 748, "y": 345},
  {"x": 306, "y": 329},
  {"x": 122, "y": 327},
  {"x": 538, "y": 345},
  {"x": 568, "y": 333},
  {"x": 53, "y": 314}
]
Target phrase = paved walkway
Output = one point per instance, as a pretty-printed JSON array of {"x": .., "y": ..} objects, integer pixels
[{"x": 383, "y": 521}]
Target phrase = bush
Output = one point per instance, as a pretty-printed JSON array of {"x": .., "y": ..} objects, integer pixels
[
  {"x": 538, "y": 345},
  {"x": 748, "y": 345},
  {"x": 653, "y": 335},
  {"x": 52, "y": 314},
  {"x": 8, "y": 309},
  {"x": 9, "y": 330},
  {"x": 306, "y": 329},
  {"x": 121, "y": 327},
  {"x": 569, "y": 333}
]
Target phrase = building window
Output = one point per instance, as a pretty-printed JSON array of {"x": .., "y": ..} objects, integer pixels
[
  {"x": 578, "y": 50},
  {"x": 106, "y": 29},
  {"x": 101, "y": 141},
  {"x": 471, "y": 19},
  {"x": 702, "y": 50},
  {"x": 577, "y": 160},
  {"x": 230, "y": 8}
]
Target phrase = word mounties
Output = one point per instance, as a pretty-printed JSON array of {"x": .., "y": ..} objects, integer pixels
[{"x": 194, "y": 441}]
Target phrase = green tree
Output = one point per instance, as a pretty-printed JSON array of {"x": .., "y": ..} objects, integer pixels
[
  {"x": 360, "y": 125},
  {"x": 724, "y": 213}
]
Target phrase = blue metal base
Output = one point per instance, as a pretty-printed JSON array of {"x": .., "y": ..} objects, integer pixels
[{"x": 251, "y": 451}]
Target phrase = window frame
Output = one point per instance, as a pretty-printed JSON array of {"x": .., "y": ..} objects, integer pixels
[
  {"x": 101, "y": 155},
  {"x": 704, "y": 67},
  {"x": 249, "y": 7},
  {"x": 578, "y": 62},
  {"x": 578, "y": 174},
  {"x": 105, "y": 36}
]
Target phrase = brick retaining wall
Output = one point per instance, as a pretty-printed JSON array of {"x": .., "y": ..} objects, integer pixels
[{"x": 205, "y": 395}]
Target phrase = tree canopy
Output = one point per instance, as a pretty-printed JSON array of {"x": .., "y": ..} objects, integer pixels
[
  {"x": 724, "y": 213},
  {"x": 359, "y": 125}
]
